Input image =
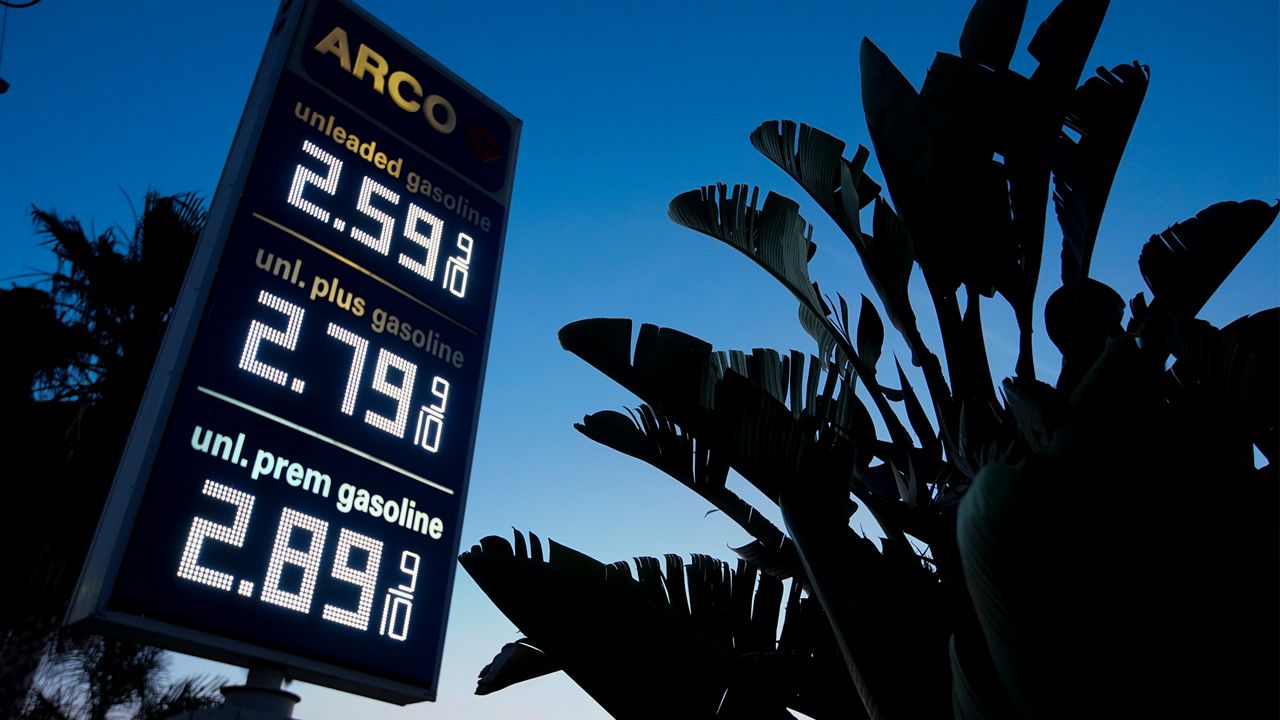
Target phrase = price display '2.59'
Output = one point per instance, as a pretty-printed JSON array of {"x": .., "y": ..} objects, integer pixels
[{"x": 419, "y": 226}]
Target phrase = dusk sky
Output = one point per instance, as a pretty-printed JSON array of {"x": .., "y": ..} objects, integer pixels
[{"x": 624, "y": 105}]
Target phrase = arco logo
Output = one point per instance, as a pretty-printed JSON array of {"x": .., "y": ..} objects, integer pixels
[{"x": 402, "y": 87}]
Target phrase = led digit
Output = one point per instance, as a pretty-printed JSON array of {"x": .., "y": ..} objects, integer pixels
[
  {"x": 382, "y": 243},
  {"x": 409, "y": 564},
  {"x": 458, "y": 268},
  {"x": 400, "y": 393},
  {"x": 189, "y": 566},
  {"x": 283, "y": 553},
  {"x": 465, "y": 244},
  {"x": 360, "y": 346},
  {"x": 428, "y": 431},
  {"x": 430, "y": 425},
  {"x": 287, "y": 338},
  {"x": 431, "y": 242},
  {"x": 396, "y": 611},
  {"x": 302, "y": 177},
  {"x": 397, "y": 605},
  {"x": 366, "y": 579},
  {"x": 439, "y": 388}
]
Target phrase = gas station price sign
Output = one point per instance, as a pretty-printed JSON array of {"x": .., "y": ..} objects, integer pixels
[{"x": 293, "y": 488}]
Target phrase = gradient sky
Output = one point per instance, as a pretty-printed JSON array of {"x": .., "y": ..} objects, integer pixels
[{"x": 624, "y": 106}]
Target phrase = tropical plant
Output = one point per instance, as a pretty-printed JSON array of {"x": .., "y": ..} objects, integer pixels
[
  {"x": 90, "y": 340},
  {"x": 1105, "y": 545},
  {"x": 92, "y": 678}
]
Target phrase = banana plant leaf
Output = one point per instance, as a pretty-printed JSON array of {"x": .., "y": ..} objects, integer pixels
[
  {"x": 898, "y": 127},
  {"x": 1117, "y": 566},
  {"x": 841, "y": 188},
  {"x": 650, "y": 437},
  {"x": 880, "y": 608},
  {"x": 678, "y": 375},
  {"x": 1035, "y": 407},
  {"x": 870, "y": 334},
  {"x": 991, "y": 32},
  {"x": 516, "y": 662},
  {"x": 774, "y": 236},
  {"x": 1062, "y": 44},
  {"x": 643, "y": 648},
  {"x": 669, "y": 370},
  {"x": 1081, "y": 318},
  {"x": 919, "y": 419},
  {"x": 1103, "y": 112},
  {"x": 782, "y": 376},
  {"x": 959, "y": 120},
  {"x": 768, "y": 444},
  {"x": 769, "y": 447},
  {"x": 1259, "y": 335},
  {"x": 1185, "y": 264},
  {"x": 967, "y": 236},
  {"x": 888, "y": 256},
  {"x": 751, "y": 429},
  {"x": 779, "y": 240},
  {"x": 936, "y": 149},
  {"x": 816, "y": 161},
  {"x": 1231, "y": 373}
]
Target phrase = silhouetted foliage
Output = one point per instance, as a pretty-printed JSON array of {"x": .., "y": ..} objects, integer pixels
[
  {"x": 1104, "y": 545},
  {"x": 90, "y": 330},
  {"x": 89, "y": 677}
]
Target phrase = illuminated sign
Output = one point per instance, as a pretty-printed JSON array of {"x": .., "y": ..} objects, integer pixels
[{"x": 293, "y": 489}]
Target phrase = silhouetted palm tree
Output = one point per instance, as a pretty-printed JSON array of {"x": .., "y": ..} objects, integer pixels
[
  {"x": 74, "y": 380},
  {"x": 91, "y": 678}
]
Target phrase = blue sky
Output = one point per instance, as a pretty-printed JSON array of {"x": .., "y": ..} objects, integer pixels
[{"x": 624, "y": 106}]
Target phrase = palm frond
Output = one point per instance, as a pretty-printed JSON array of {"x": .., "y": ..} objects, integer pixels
[{"x": 185, "y": 696}]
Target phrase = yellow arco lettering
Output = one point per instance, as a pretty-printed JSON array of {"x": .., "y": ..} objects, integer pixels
[
  {"x": 450, "y": 120},
  {"x": 399, "y": 78},
  {"x": 335, "y": 43},
  {"x": 435, "y": 109},
  {"x": 367, "y": 59}
]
